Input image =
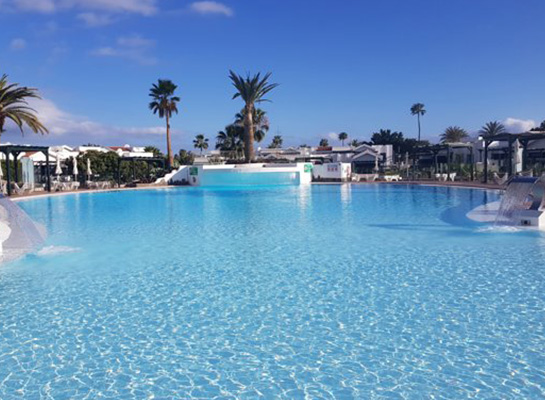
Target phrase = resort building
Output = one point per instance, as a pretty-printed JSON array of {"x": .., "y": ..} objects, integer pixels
[{"x": 363, "y": 159}]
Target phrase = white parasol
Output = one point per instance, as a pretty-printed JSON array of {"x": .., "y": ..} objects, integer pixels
[
  {"x": 75, "y": 169},
  {"x": 58, "y": 169},
  {"x": 89, "y": 172}
]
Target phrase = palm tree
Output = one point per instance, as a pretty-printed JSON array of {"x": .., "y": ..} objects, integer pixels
[
  {"x": 156, "y": 152},
  {"x": 492, "y": 128},
  {"x": 539, "y": 128},
  {"x": 230, "y": 140},
  {"x": 354, "y": 143},
  {"x": 252, "y": 90},
  {"x": 324, "y": 143},
  {"x": 342, "y": 137},
  {"x": 14, "y": 106},
  {"x": 453, "y": 134},
  {"x": 260, "y": 120},
  {"x": 200, "y": 142},
  {"x": 276, "y": 142},
  {"x": 165, "y": 103},
  {"x": 418, "y": 110}
]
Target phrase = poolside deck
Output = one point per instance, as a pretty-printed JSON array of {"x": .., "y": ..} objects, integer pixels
[
  {"x": 469, "y": 185},
  {"x": 16, "y": 197}
]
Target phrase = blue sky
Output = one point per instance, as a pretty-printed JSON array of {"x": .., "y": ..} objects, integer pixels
[{"x": 354, "y": 66}]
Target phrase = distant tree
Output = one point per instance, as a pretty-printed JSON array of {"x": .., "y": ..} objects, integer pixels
[
  {"x": 539, "y": 128},
  {"x": 260, "y": 120},
  {"x": 14, "y": 106},
  {"x": 492, "y": 128},
  {"x": 354, "y": 143},
  {"x": 396, "y": 139},
  {"x": 165, "y": 103},
  {"x": 229, "y": 141},
  {"x": 410, "y": 145},
  {"x": 304, "y": 145},
  {"x": 185, "y": 157},
  {"x": 342, "y": 137},
  {"x": 156, "y": 152},
  {"x": 276, "y": 142},
  {"x": 252, "y": 90},
  {"x": 200, "y": 142},
  {"x": 418, "y": 110},
  {"x": 453, "y": 134},
  {"x": 386, "y": 136},
  {"x": 324, "y": 143}
]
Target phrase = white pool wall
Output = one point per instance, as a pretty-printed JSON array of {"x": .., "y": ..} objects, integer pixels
[{"x": 245, "y": 174}]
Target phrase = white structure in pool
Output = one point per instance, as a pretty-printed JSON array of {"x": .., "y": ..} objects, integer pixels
[
  {"x": 19, "y": 234},
  {"x": 523, "y": 204},
  {"x": 243, "y": 174}
]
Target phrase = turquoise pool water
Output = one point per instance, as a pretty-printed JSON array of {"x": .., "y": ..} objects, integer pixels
[{"x": 322, "y": 292}]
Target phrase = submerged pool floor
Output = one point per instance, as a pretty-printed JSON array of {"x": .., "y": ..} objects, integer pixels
[{"x": 323, "y": 292}]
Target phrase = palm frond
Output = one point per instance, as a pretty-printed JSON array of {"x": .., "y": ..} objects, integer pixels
[{"x": 14, "y": 106}]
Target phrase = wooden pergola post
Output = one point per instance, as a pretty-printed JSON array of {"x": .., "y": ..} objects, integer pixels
[
  {"x": 485, "y": 165},
  {"x": 47, "y": 172}
]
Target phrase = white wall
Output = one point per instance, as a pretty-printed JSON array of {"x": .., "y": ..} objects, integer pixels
[
  {"x": 332, "y": 171},
  {"x": 253, "y": 174}
]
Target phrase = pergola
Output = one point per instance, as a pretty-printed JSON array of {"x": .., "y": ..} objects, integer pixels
[
  {"x": 434, "y": 150},
  {"x": 133, "y": 160},
  {"x": 523, "y": 138},
  {"x": 15, "y": 150}
]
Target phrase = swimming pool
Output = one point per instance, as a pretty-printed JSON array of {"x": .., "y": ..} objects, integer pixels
[{"x": 329, "y": 291}]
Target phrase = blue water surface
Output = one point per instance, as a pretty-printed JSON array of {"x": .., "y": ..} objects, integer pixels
[{"x": 322, "y": 292}]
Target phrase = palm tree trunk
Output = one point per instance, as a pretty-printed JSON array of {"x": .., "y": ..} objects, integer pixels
[
  {"x": 249, "y": 133},
  {"x": 169, "y": 148},
  {"x": 418, "y": 116}
]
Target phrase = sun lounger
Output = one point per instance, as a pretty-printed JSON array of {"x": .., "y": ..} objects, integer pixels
[
  {"x": 500, "y": 180},
  {"x": 20, "y": 190}
]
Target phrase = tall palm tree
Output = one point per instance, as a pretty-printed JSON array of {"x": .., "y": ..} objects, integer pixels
[
  {"x": 324, "y": 143},
  {"x": 200, "y": 142},
  {"x": 354, "y": 143},
  {"x": 260, "y": 120},
  {"x": 492, "y": 128},
  {"x": 252, "y": 90},
  {"x": 276, "y": 142},
  {"x": 342, "y": 137},
  {"x": 418, "y": 110},
  {"x": 453, "y": 134},
  {"x": 165, "y": 103},
  {"x": 14, "y": 106}
]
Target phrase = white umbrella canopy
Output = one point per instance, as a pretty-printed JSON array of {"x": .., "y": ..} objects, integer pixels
[
  {"x": 1, "y": 172},
  {"x": 89, "y": 171},
  {"x": 516, "y": 150},
  {"x": 58, "y": 169},
  {"x": 75, "y": 168}
]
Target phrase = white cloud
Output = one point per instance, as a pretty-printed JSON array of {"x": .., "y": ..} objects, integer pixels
[
  {"x": 514, "y": 125},
  {"x": 93, "y": 20},
  {"x": 17, "y": 44},
  {"x": 211, "y": 7},
  {"x": 143, "y": 7},
  {"x": 61, "y": 123},
  {"x": 133, "y": 48},
  {"x": 333, "y": 136},
  {"x": 43, "y": 6}
]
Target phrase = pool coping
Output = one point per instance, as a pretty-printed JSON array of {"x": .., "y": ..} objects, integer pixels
[
  {"x": 461, "y": 185},
  {"x": 44, "y": 195}
]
